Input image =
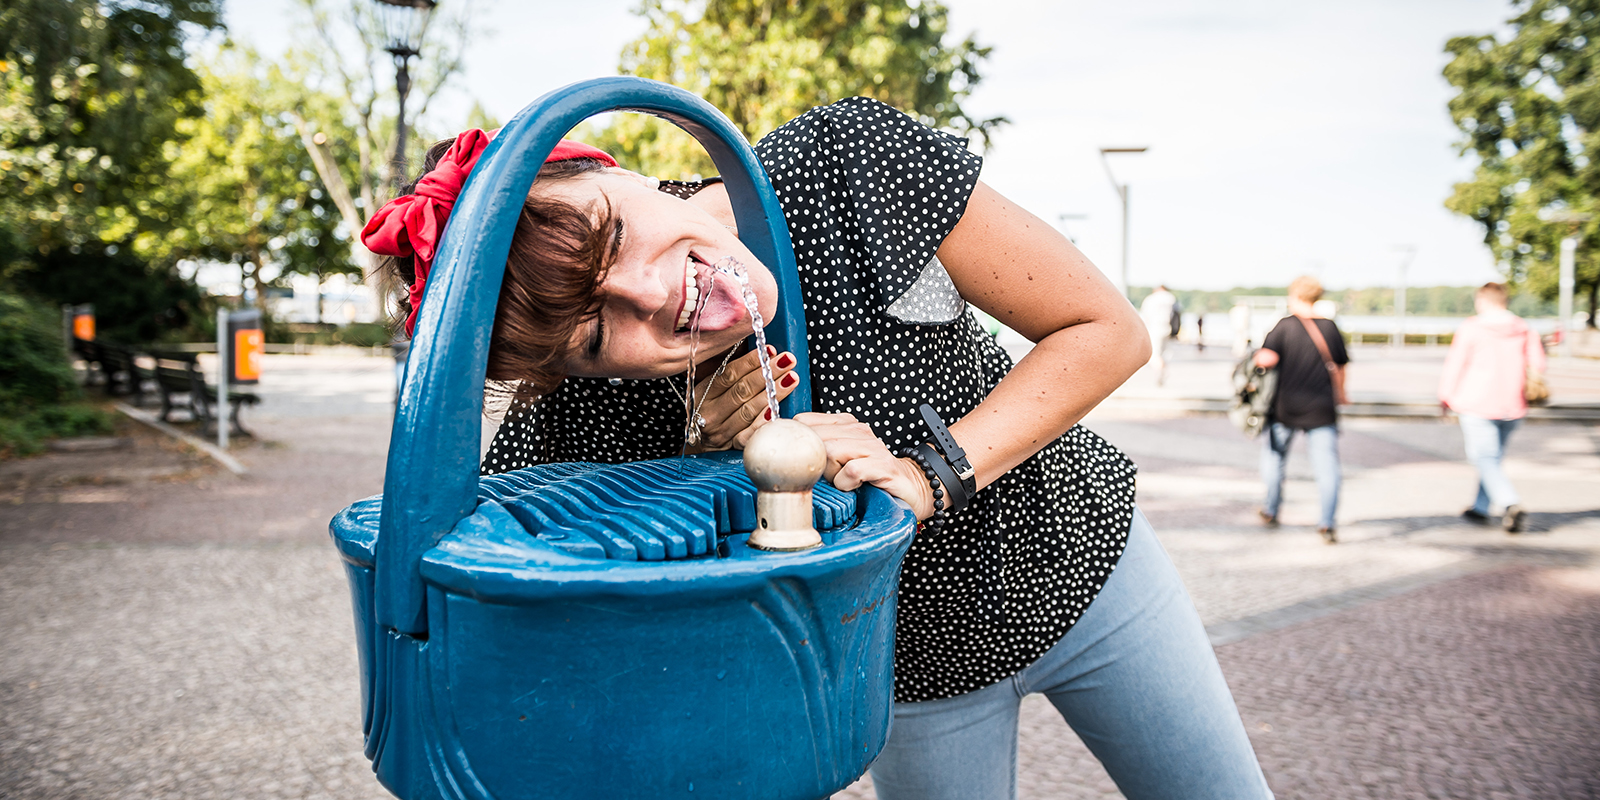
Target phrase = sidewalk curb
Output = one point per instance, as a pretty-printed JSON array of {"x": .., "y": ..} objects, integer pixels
[{"x": 205, "y": 447}]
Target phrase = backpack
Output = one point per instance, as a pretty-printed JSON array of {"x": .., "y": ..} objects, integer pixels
[{"x": 1253, "y": 388}]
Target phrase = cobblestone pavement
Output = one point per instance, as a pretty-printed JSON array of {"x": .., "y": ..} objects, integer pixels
[{"x": 174, "y": 631}]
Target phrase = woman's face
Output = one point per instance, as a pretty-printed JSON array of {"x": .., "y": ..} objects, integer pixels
[{"x": 661, "y": 285}]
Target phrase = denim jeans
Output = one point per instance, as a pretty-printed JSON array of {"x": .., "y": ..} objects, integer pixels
[
  {"x": 1324, "y": 443},
  {"x": 1486, "y": 445},
  {"x": 1135, "y": 677}
]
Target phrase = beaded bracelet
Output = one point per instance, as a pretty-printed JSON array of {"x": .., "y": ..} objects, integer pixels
[{"x": 920, "y": 454}]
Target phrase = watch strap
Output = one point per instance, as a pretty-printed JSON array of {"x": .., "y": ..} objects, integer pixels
[{"x": 952, "y": 452}]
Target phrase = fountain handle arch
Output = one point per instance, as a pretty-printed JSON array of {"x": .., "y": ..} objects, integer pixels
[{"x": 432, "y": 478}]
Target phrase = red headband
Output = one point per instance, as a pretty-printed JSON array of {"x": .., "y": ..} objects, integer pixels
[{"x": 411, "y": 225}]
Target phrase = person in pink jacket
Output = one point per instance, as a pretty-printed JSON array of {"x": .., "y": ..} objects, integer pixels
[{"x": 1484, "y": 377}]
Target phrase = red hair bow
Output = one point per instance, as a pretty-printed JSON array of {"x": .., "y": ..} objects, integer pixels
[{"x": 411, "y": 225}]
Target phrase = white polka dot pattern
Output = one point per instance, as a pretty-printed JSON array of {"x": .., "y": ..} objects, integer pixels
[{"x": 868, "y": 194}]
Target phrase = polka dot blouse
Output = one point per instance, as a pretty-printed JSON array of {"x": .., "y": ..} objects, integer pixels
[{"x": 869, "y": 194}]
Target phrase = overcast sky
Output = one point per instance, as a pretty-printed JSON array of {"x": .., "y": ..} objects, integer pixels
[{"x": 1284, "y": 138}]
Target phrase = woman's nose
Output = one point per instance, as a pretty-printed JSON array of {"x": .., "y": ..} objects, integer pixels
[{"x": 641, "y": 289}]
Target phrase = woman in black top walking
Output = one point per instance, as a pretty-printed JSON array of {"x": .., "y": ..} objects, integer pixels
[
  {"x": 1046, "y": 580},
  {"x": 1309, "y": 354}
]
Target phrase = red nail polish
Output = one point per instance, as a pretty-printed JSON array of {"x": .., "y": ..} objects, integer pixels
[
  {"x": 789, "y": 380},
  {"x": 771, "y": 351},
  {"x": 767, "y": 413},
  {"x": 786, "y": 361}
]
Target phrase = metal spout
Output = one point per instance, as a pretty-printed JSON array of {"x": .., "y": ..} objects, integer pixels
[{"x": 784, "y": 459}]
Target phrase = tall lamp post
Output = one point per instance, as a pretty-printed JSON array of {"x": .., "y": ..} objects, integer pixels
[
  {"x": 1568, "y": 276},
  {"x": 404, "y": 23},
  {"x": 1410, "y": 252},
  {"x": 1122, "y": 192}
]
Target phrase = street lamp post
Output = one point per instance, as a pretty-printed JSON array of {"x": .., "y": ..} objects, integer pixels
[
  {"x": 1568, "y": 276},
  {"x": 1122, "y": 192},
  {"x": 1399, "y": 339},
  {"x": 404, "y": 23}
]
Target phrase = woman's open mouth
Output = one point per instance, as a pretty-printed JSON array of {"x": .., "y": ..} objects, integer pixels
[{"x": 691, "y": 291}]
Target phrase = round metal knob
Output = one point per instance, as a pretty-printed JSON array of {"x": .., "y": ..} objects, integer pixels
[{"x": 784, "y": 459}]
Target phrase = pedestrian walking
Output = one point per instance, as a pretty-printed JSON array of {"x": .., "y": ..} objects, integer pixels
[
  {"x": 1309, "y": 354},
  {"x": 1494, "y": 359},
  {"x": 1033, "y": 573},
  {"x": 1157, "y": 311}
]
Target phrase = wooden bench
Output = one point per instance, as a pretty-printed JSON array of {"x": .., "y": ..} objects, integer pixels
[
  {"x": 183, "y": 385},
  {"x": 118, "y": 367}
]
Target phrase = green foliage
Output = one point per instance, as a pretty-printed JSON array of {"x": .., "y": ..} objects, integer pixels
[
  {"x": 763, "y": 62},
  {"x": 134, "y": 301},
  {"x": 34, "y": 370},
  {"x": 90, "y": 93},
  {"x": 25, "y": 433},
  {"x": 244, "y": 188},
  {"x": 39, "y": 394},
  {"x": 1529, "y": 111}
]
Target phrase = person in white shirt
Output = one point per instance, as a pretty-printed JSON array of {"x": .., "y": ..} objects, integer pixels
[{"x": 1157, "y": 311}]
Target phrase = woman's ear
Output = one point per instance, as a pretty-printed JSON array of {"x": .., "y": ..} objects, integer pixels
[{"x": 644, "y": 180}]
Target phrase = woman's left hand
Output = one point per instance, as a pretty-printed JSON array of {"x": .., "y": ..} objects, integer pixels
[
  {"x": 735, "y": 401},
  {"x": 857, "y": 456}
]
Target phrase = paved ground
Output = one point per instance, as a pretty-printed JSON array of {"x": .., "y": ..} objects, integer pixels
[{"x": 174, "y": 631}]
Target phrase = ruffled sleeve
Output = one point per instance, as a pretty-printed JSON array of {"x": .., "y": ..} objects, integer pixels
[{"x": 893, "y": 186}]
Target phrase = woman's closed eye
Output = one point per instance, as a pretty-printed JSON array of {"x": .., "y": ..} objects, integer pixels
[{"x": 597, "y": 338}]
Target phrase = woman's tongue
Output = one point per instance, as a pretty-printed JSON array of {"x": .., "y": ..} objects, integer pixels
[{"x": 721, "y": 308}]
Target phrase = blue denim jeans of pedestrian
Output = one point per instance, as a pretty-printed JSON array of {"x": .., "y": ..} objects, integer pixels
[
  {"x": 1324, "y": 445},
  {"x": 1136, "y": 678},
  {"x": 1486, "y": 445}
]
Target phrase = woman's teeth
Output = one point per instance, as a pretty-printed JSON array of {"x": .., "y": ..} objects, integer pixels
[{"x": 691, "y": 294}]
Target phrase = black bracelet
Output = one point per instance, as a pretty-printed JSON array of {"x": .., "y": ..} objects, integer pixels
[
  {"x": 963, "y": 480},
  {"x": 936, "y": 522}
]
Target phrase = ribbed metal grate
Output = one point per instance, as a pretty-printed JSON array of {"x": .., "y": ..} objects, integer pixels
[{"x": 645, "y": 511}]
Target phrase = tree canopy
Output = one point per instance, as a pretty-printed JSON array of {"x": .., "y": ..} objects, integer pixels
[
  {"x": 244, "y": 189},
  {"x": 91, "y": 93},
  {"x": 1528, "y": 106},
  {"x": 763, "y": 62}
]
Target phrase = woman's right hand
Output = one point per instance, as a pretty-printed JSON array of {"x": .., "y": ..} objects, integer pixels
[{"x": 735, "y": 402}]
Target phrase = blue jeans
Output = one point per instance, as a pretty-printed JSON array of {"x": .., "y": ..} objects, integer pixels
[
  {"x": 1324, "y": 443},
  {"x": 1486, "y": 445},
  {"x": 1135, "y": 677}
]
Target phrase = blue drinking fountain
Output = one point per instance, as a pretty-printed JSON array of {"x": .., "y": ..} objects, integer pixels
[{"x": 608, "y": 631}]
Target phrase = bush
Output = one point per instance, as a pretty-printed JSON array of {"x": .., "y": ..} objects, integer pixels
[
  {"x": 33, "y": 361},
  {"x": 25, "y": 434},
  {"x": 39, "y": 393}
]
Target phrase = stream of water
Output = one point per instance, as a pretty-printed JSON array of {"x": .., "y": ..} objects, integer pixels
[{"x": 731, "y": 266}]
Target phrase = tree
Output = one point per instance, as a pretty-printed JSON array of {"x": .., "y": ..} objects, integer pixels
[
  {"x": 763, "y": 62},
  {"x": 91, "y": 93},
  {"x": 244, "y": 189},
  {"x": 1529, "y": 110},
  {"x": 348, "y": 80}
]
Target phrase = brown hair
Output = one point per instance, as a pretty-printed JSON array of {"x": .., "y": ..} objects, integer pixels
[
  {"x": 1306, "y": 288},
  {"x": 1494, "y": 290},
  {"x": 559, "y": 255}
]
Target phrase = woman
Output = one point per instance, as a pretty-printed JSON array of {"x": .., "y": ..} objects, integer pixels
[
  {"x": 611, "y": 291},
  {"x": 1484, "y": 382},
  {"x": 1309, "y": 353}
]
